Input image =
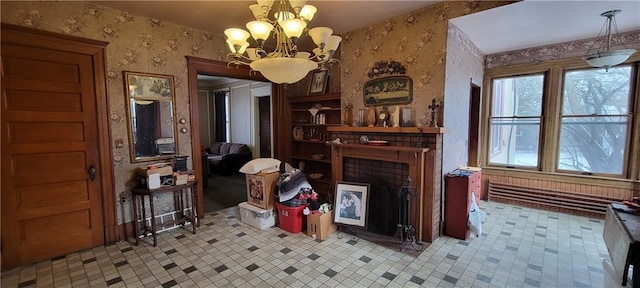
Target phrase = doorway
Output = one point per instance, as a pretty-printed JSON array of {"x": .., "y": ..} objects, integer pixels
[
  {"x": 201, "y": 66},
  {"x": 264, "y": 132},
  {"x": 474, "y": 125},
  {"x": 56, "y": 169},
  {"x": 229, "y": 111}
]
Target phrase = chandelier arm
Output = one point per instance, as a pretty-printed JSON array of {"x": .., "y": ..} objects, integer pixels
[
  {"x": 595, "y": 41},
  {"x": 237, "y": 59},
  {"x": 609, "y": 24}
]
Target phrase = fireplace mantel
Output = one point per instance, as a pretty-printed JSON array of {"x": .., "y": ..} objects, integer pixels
[
  {"x": 404, "y": 130},
  {"x": 420, "y": 162}
]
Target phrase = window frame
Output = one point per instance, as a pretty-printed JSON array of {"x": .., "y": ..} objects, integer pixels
[
  {"x": 549, "y": 141},
  {"x": 489, "y": 116},
  {"x": 629, "y": 131}
]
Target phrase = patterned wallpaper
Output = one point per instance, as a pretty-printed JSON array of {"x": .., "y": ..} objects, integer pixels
[
  {"x": 465, "y": 65},
  {"x": 559, "y": 50},
  {"x": 137, "y": 44},
  {"x": 418, "y": 40}
]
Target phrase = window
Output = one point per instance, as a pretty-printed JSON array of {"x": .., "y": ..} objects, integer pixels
[
  {"x": 595, "y": 118},
  {"x": 516, "y": 114},
  {"x": 563, "y": 117}
]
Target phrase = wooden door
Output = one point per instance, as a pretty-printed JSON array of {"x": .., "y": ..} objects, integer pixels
[
  {"x": 51, "y": 206},
  {"x": 264, "y": 109}
]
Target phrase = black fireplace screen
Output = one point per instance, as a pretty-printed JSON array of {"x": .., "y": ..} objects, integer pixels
[{"x": 385, "y": 179}]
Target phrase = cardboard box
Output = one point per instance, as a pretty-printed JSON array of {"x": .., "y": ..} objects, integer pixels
[
  {"x": 319, "y": 226},
  {"x": 256, "y": 217},
  {"x": 260, "y": 189}
]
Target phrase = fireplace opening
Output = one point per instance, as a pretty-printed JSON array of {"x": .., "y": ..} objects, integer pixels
[{"x": 384, "y": 178}]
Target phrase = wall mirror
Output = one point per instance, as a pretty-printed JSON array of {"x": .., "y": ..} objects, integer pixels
[{"x": 151, "y": 105}]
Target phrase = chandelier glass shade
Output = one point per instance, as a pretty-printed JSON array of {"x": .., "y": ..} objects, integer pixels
[
  {"x": 284, "y": 63},
  {"x": 603, "y": 56}
]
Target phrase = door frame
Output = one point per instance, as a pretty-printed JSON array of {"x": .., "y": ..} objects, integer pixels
[
  {"x": 197, "y": 66},
  {"x": 24, "y": 36}
]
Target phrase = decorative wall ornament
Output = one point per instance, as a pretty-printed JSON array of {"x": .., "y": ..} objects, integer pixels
[
  {"x": 386, "y": 67},
  {"x": 388, "y": 91},
  {"x": 434, "y": 110}
]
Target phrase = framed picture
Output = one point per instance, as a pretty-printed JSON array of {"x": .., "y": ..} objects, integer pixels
[
  {"x": 388, "y": 91},
  {"x": 318, "y": 84},
  {"x": 351, "y": 204}
]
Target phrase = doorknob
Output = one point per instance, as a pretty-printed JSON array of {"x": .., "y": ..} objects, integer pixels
[{"x": 92, "y": 172}]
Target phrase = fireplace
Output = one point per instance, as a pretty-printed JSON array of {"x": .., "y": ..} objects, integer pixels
[{"x": 392, "y": 164}]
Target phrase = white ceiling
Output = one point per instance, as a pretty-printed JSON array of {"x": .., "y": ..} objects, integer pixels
[{"x": 540, "y": 22}]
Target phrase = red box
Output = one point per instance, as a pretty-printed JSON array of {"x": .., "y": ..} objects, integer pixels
[{"x": 291, "y": 218}]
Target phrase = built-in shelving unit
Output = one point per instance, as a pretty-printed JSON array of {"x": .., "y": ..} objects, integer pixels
[{"x": 309, "y": 136}]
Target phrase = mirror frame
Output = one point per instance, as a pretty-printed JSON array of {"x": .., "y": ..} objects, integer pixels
[{"x": 129, "y": 97}]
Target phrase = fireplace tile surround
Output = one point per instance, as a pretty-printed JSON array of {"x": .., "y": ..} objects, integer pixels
[{"x": 420, "y": 152}]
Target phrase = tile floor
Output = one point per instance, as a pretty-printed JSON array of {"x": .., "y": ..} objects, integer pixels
[{"x": 521, "y": 247}]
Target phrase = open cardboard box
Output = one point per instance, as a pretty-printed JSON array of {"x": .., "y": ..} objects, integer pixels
[{"x": 319, "y": 225}]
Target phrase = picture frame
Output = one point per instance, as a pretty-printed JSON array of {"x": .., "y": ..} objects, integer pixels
[
  {"x": 319, "y": 81},
  {"x": 351, "y": 204},
  {"x": 392, "y": 90},
  {"x": 151, "y": 111}
]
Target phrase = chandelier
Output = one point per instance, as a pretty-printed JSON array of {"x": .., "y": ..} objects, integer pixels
[
  {"x": 283, "y": 64},
  {"x": 603, "y": 57}
]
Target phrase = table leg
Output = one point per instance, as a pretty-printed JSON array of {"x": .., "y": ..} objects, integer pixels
[
  {"x": 153, "y": 221},
  {"x": 136, "y": 233},
  {"x": 194, "y": 211}
]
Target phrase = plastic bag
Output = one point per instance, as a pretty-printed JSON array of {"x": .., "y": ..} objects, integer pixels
[{"x": 475, "y": 217}]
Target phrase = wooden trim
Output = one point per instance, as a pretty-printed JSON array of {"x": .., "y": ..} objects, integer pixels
[
  {"x": 634, "y": 154},
  {"x": 552, "y": 108},
  {"x": 197, "y": 66},
  {"x": 311, "y": 98},
  {"x": 405, "y": 130},
  {"x": 108, "y": 181},
  {"x": 566, "y": 178},
  {"x": 54, "y": 40}
]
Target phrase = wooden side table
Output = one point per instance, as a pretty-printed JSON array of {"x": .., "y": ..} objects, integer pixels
[{"x": 179, "y": 199}]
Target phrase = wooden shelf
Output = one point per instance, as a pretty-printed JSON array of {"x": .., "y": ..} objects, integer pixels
[
  {"x": 314, "y": 98},
  {"x": 324, "y": 180},
  {"x": 408, "y": 130}
]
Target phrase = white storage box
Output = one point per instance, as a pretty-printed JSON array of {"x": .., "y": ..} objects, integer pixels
[
  {"x": 610, "y": 279},
  {"x": 257, "y": 217}
]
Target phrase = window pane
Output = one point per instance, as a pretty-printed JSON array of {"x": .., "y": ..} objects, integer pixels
[
  {"x": 593, "y": 144},
  {"x": 514, "y": 142},
  {"x": 597, "y": 92},
  {"x": 517, "y": 96}
]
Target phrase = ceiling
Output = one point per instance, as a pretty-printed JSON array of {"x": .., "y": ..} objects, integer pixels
[
  {"x": 519, "y": 25},
  {"x": 534, "y": 23}
]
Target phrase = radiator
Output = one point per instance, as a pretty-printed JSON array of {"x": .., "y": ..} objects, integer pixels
[{"x": 550, "y": 197}]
